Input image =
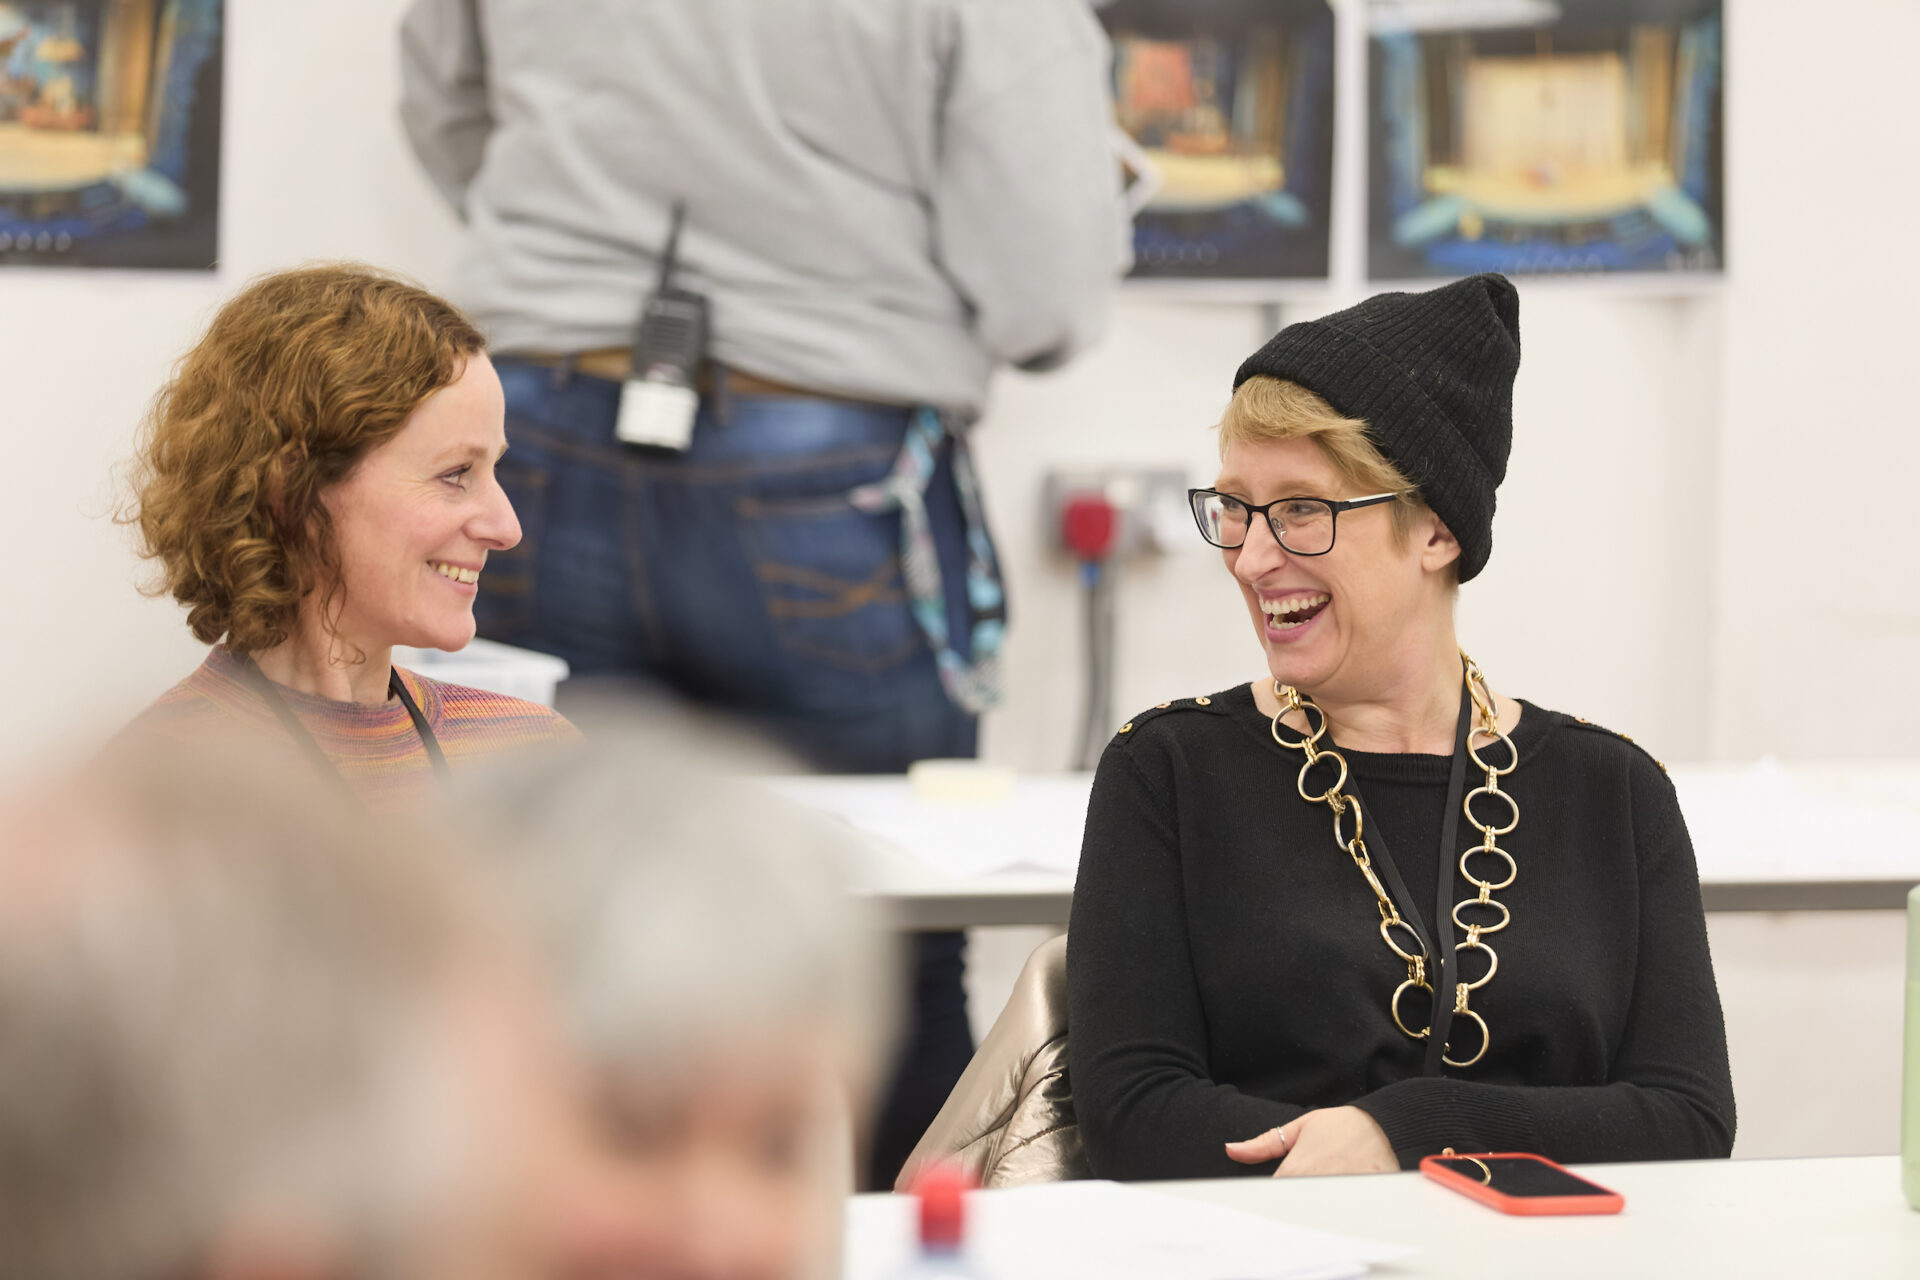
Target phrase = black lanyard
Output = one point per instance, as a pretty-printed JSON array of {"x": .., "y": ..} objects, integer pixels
[
  {"x": 307, "y": 743},
  {"x": 1445, "y": 979}
]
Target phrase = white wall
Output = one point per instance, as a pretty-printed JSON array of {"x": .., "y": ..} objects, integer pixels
[
  {"x": 1817, "y": 589},
  {"x": 314, "y": 168},
  {"x": 1649, "y": 571},
  {"x": 1643, "y": 575},
  {"x": 1595, "y": 600}
]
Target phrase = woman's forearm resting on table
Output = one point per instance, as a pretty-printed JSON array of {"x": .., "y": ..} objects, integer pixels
[{"x": 1568, "y": 1123}]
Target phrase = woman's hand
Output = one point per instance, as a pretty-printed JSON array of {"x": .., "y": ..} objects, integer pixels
[{"x": 1333, "y": 1140}]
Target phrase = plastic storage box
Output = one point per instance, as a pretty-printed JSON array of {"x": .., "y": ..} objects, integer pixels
[{"x": 487, "y": 664}]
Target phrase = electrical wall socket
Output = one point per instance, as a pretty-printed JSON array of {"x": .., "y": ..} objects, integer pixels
[{"x": 1149, "y": 502}]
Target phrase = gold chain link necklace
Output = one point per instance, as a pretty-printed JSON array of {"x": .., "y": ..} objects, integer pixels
[{"x": 1394, "y": 928}]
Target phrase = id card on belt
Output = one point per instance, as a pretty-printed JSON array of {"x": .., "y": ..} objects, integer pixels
[{"x": 661, "y": 397}]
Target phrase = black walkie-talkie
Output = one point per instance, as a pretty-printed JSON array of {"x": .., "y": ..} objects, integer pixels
[{"x": 661, "y": 397}]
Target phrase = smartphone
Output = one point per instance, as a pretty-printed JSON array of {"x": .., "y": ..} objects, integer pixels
[{"x": 1524, "y": 1184}]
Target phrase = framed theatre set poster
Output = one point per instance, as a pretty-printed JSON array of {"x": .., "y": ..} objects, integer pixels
[
  {"x": 1225, "y": 108},
  {"x": 1544, "y": 137},
  {"x": 110, "y": 128}
]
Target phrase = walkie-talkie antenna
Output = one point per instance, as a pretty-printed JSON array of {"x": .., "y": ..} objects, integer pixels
[{"x": 672, "y": 253}]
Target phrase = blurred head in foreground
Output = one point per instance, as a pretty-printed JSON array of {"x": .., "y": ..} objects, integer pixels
[
  {"x": 246, "y": 1035},
  {"x": 733, "y": 1004}
]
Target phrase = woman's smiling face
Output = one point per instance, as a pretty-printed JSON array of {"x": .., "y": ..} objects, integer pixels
[
  {"x": 1331, "y": 619},
  {"x": 414, "y": 521}
]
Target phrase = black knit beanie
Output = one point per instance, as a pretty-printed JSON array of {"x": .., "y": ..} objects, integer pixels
[{"x": 1431, "y": 374}]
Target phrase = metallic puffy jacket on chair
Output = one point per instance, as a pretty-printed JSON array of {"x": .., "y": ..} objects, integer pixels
[{"x": 1009, "y": 1122}]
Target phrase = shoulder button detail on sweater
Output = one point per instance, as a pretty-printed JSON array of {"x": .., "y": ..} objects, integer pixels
[
  {"x": 1585, "y": 723},
  {"x": 1159, "y": 709}
]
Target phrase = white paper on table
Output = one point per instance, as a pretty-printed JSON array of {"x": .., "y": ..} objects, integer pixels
[
  {"x": 1104, "y": 1229},
  {"x": 1038, "y": 826}
]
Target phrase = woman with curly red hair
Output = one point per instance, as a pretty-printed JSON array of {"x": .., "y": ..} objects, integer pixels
[{"x": 317, "y": 485}]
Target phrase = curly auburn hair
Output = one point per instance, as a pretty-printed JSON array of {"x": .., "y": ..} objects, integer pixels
[{"x": 298, "y": 378}]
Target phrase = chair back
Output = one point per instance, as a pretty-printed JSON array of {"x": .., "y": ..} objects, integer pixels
[{"x": 1009, "y": 1121}]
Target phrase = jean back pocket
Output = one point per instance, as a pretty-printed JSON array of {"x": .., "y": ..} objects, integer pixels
[{"x": 830, "y": 580}]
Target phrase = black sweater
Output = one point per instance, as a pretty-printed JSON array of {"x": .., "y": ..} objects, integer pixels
[{"x": 1226, "y": 972}]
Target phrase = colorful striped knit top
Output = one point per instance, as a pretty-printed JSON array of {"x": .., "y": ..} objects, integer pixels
[{"x": 375, "y": 747}]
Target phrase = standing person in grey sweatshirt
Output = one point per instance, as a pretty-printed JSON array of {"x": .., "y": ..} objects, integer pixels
[{"x": 772, "y": 510}]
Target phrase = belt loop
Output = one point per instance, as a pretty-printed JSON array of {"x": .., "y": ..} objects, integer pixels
[{"x": 563, "y": 372}]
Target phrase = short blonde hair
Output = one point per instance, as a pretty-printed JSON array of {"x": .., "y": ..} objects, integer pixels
[{"x": 1271, "y": 410}]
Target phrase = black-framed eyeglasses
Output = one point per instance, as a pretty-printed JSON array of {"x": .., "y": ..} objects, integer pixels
[{"x": 1302, "y": 526}]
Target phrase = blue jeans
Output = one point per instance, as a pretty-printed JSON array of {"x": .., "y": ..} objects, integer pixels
[{"x": 738, "y": 574}]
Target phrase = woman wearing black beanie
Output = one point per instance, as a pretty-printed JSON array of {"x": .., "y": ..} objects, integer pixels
[{"x": 1365, "y": 908}]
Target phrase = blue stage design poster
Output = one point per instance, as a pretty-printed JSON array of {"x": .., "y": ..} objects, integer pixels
[
  {"x": 1228, "y": 106},
  {"x": 110, "y": 133},
  {"x": 1545, "y": 137}
]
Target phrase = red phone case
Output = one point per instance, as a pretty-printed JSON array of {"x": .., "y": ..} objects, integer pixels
[{"x": 1529, "y": 1206}]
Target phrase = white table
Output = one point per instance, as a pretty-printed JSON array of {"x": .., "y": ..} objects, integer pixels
[
  {"x": 1768, "y": 836},
  {"x": 1706, "y": 1219},
  {"x": 1712, "y": 1218}
]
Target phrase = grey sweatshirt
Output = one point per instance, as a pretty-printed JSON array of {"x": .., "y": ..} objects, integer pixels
[{"x": 885, "y": 198}]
